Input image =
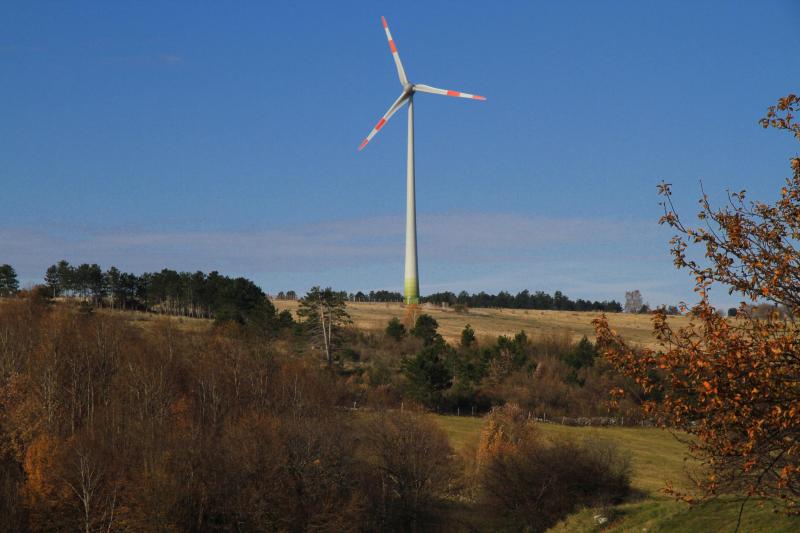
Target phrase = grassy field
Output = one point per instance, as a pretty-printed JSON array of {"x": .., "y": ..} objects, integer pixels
[
  {"x": 485, "y": 322},
  {"x": 494, "y": 322},
  {"x": 656, "y": 457}
]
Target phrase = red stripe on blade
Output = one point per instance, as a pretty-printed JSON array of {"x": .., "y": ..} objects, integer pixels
[
  {"x": 383, "y": 21},
  {"x": 453, "y": 93},
  {"x": 380, "y": 124},
  {"x": 478, "y": 97},
  {"x": 363, "y": 144},
  {"x": 392, "y": 46}
]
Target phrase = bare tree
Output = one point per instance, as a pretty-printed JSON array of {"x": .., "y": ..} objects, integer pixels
[{"x": 633, "y": 301}]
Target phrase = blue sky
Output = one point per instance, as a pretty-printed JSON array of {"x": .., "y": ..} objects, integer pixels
[{"x": 202, "y": 136}]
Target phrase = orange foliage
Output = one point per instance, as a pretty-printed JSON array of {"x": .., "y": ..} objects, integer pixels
[
  {"x": 42, "y": 459},
  {"x": 734, "y": 383},
  {"x": 505, "y": 429}
]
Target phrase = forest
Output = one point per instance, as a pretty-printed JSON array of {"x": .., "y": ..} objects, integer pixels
[
  {"x": 118, "y": 421},
  {"x": 187, "y": 294}
]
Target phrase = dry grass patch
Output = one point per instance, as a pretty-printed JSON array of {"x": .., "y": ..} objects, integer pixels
[{"x": 494, "y": 322}]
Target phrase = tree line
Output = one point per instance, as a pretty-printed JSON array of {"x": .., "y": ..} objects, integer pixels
[
  {"x": 523, "y": 300},
  {"x": 192, "y": 294}
]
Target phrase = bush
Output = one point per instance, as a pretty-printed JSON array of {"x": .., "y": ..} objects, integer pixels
[
  {"x": 395, "y": 329},
  {"x": 530, "y": 483},
  {"x": 426, "y": 329},
  {"x": 409, "y": 470}
]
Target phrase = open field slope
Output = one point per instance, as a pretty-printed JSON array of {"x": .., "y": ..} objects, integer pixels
[
  {"x": 493, "y": 322},
  {"x": 656, "y": 457}
]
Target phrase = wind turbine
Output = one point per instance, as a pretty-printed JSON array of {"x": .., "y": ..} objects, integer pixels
[{"x": 411, "y": 284}]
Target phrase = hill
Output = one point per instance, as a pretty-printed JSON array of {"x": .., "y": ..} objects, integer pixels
[{"x": 494, "y": 322}]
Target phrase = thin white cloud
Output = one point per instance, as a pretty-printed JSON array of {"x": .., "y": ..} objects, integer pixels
[
  {"x": 594, "y": 258},
  {"x": 169, "y": 58},
  {"x": 442, "y": 236}
]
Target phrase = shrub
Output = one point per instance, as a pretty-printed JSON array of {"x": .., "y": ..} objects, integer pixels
[
  {"x": 409, "y": 468},
  {"x": 530, "y": 483},
  {"x": 425, "y": 328},
  {"x": 395, "y": 329},
  {"x": 467, "y": 337}
]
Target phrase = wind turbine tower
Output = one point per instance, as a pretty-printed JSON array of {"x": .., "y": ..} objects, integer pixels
[{"x": 411, "y": 285}]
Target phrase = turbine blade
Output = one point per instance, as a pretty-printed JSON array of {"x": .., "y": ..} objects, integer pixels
[
  {"x": 392, "y": 110},
  {"x": 400, "y": 72},
  {"x": 445, "y": 92}
]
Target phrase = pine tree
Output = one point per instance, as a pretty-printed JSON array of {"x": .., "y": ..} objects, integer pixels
[
  {"x": 324, "y": 313},
  {"x": 9, "y": 285}
]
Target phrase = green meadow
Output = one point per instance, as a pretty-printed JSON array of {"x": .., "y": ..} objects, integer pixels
[{"x": 657, "y": 457}]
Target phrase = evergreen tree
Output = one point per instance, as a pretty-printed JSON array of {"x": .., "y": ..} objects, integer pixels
[
  {"x": 324, "y": 313},
  {"x": 9, "y": 285},
  {"x": 582, "y": 355},
  {"x": 467, "y": 337},
  {"x": 427, "y": 375},
  {"x": 66, "y": 277},
  {"x": 53, "y": 280},
  {"x": 426, "y": 329},
  {"x": 112, "y": 281},
  {"x": 395, "y": 329}
]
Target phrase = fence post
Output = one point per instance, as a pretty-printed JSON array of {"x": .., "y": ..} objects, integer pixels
[{"x": 459, "y": 412}]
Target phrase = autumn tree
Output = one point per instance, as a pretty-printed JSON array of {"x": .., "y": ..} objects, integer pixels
[
  {"x": 732, "y": 383},
  {"x": 528, "y": 483}
]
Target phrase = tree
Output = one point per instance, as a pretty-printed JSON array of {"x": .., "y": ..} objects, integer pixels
[
  {"x": 395, "y": 329},
  {"x": 66, "y": 276},
  {"x": 428, "y": 375},
  {"x": 425, "y": 329},
  {"x": 9, "y": 285},
  {"x": 633, "y": 301},
  {"x": 324, "y": 313},
  {"x": 53, "y": 280},
  {"x": 581, "y": 355},
  {"x": 112, "y": 282},
  {"x": 734, "y": 384},
  {"x": 467, "y": 337}
]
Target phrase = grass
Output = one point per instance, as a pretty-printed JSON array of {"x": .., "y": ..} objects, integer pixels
[
  {"x": 656, "y": 457},
  {"x": 494, "y": 322},
  {"x": 485, "y": 322}
]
